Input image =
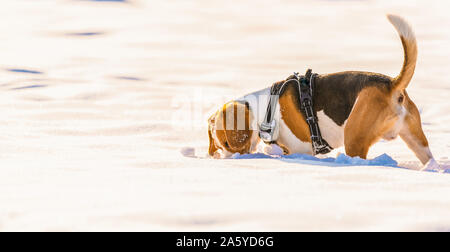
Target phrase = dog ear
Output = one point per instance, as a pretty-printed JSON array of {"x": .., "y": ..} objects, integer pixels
[
  {"x": 212, "y": 145},
  {"x": 236, "y": 125}
]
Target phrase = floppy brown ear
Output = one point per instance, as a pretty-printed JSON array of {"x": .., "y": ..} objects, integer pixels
[
  {"x": 236, "y": 125},
  {"x": 212, "y": 145}
]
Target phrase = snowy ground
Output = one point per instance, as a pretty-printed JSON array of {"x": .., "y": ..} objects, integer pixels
[{"x": 90, "y": 91}]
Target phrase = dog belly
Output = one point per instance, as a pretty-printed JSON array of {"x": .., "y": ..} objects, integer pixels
[
  {"x": 331, "y": 132},
  {"x": 287, "y": 139}
]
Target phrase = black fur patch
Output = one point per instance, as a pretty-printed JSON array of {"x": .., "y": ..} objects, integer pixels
[{"x": 336, "y": 93}]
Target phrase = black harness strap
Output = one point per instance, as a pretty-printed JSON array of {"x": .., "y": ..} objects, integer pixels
[{"x": 306, "y": 91}]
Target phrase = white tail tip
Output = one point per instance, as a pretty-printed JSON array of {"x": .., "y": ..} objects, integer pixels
[{"x": 402, "y": 26}]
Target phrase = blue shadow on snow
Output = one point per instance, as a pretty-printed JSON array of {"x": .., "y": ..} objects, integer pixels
[
  {"x": 85, "y": 34},
  {"x": 341, "y": 160},
  {"x": 29, "y": 87},
  {"x": 26, "y": 71}
]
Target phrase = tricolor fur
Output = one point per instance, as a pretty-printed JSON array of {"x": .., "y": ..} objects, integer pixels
[{"x": 355, "y": 109}]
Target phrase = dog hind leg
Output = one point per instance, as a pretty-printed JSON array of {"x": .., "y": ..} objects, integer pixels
[
  {"x": 366, "y": 123},
  {"x": 413, "y": 135}
]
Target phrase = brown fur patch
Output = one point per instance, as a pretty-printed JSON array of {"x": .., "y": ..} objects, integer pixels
[
  {"x": 371, "y": 118},
  {"x": 212, "y": 145},
  {"x": 412, "y": 132},
  {"x": 336, "y": 93},
  {"x": 233, "y": 130},
  {"x": 291, "y": 115},
  {"x": 414, "y": 122}
]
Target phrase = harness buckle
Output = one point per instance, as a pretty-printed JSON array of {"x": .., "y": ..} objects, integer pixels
[
  {"x": 305, "y": 85},
  {"x": 266, "y": 131}
]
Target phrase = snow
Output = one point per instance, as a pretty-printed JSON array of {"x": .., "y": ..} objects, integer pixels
[
  {"x": 188, "y": 152},
  {"x": 104, "y": 107},
  {"x": 341, "y": 160}
]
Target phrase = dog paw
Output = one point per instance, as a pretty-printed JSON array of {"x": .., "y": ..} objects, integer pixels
[
  {"x": 433, "y": 166},
  {"x": 273, "y": 149}
]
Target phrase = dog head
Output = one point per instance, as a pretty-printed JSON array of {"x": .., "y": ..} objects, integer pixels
[{"x": 229, "y": 130}]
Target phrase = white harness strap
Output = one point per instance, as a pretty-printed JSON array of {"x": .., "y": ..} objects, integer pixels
[{"x": 267, "y": 128}]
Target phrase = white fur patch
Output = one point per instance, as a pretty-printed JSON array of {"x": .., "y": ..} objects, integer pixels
[
  {"x": 402, "y": 27},
  {"x": 422, "y": 152},
  {"x": 393, "y": 133},
  {"x": 290, "y": 141},
  {"x": 257, "y": 102},
  {"x": 331, "y": 132}
]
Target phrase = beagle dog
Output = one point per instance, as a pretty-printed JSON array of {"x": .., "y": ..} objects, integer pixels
[{"x": 354, "y": 109}]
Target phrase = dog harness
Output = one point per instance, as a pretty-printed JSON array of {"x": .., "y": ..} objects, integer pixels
[{"x": 306, "y": 91}]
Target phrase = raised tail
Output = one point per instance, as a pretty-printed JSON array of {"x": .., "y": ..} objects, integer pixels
[{"x": 410, "y": 49}]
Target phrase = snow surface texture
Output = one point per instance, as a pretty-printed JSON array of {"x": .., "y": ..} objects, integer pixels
[
  {"x": 341, "y": 160},
  {"x": 89, "y": 91},
  {"x": 273, "y": 151}
]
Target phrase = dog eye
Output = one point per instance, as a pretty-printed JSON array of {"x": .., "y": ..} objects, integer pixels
[
  {"x": 401, "y": 99},
  {"x": 227, "y": 145}
]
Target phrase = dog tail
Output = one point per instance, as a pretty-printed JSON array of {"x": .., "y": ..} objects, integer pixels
[{"x": 410, "y": 51}]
